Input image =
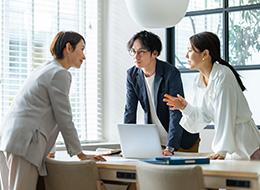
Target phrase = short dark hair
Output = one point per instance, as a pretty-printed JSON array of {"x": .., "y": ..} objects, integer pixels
[
  {"x": 149, "y": 40},
  {"x": 61, "y": 39}
]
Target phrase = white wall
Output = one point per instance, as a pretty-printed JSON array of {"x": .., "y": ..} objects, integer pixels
[
  {"x": 118, "y": 29},
  {"x": 251, "y": 81}
]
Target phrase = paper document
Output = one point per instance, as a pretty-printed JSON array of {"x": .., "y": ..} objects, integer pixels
[{"x": 107, "y": 151}]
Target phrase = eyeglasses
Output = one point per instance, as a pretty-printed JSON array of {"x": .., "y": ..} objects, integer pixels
[{"x": 139, "y": 52}]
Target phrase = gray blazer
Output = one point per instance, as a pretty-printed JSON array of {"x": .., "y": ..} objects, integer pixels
[{"x": 40, "y": 111}]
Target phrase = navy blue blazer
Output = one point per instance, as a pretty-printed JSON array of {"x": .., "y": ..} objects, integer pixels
[{"x": 167, "y": 80}]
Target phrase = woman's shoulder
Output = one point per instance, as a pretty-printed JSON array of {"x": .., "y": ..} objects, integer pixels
[
  {"x": 50, "y": 71},
  {"x": 223, "y": 75},
  {"x": 54, "y": 67},
  {"x": 223, "y": 72}
]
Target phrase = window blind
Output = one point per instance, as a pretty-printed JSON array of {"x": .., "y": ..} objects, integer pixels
[{"x": 27, "y": 29}]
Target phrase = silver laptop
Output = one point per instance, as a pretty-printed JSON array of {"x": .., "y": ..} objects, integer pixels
[{"x": 139, "y": 140}]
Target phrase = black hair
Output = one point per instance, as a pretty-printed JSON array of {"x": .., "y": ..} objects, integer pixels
[
  {"x": 61, "y": 39},
  {"x": 210, "y": 41},
  {"x": 149, "y": 41}
]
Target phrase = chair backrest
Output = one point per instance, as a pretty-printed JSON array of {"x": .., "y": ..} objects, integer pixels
[
  {"x": 71, "y": 175},
  {"x": 165, "y": 177}
]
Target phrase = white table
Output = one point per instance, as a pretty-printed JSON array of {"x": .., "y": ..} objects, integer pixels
[{"x": 228, "y": 174}]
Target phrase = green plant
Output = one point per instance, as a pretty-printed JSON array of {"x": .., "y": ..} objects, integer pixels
[{"x": 244, "y": 36}]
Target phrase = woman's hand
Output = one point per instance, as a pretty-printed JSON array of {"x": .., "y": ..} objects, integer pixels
[
  {"x": 83, "y": 156},
  {"x": 51, "y": 155},
  {"x": 175, "y": 103},
  {"x": 216, "y": 156}
]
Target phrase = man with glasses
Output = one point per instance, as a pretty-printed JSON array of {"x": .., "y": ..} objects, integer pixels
[{"x": 147, "y": 82}]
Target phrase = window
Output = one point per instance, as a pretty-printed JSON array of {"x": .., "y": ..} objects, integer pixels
[
  {"x": 236, "y": 22},
  {"x": 27, "y": 29}
]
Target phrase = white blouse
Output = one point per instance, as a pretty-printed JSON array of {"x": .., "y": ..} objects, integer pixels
[{"x": 223, "y": 103}]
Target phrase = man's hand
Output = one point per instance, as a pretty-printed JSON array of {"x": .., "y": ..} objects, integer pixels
[{"x": 166, "y": 152}]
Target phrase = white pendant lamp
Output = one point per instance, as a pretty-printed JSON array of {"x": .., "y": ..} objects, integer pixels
[{"x": 157, "y": 13}]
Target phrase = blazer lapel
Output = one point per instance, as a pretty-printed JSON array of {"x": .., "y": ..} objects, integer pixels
[{"x": 141, "y": 83}]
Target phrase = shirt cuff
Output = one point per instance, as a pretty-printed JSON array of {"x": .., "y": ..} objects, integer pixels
[
  {"x": 187, "y": 110},
  {"x": 170, "y": 149},
  {"x": 72, "y": 152}
]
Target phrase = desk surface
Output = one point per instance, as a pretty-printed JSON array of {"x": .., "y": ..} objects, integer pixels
[
  {"x": 239, "y": 168},
  {"x": 217, "y": 174},
  {"x": 235, "y": 168}
]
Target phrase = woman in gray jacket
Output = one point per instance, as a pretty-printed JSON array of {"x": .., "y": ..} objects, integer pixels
[{"x": 40, "y": 111}]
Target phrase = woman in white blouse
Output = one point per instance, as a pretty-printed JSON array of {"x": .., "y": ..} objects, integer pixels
[
  {"x": 218, "y": 98},
  {"x": 40, "y": 111}
]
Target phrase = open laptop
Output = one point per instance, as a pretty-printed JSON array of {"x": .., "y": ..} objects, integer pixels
[{"x": 139, "y": 140}]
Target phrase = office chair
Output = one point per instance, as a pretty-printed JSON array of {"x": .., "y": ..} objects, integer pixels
[
  {"x": 165, "y": 177},
  {"x": 72, "y": 175}
]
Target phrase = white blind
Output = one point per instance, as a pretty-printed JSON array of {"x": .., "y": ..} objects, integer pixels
[{"x": 27, "y": 29}]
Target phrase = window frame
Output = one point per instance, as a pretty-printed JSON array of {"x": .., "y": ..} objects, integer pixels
[{"x": 225, "y": 11}]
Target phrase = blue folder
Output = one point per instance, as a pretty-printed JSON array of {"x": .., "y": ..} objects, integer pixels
[{"x": 164, "y": 160}]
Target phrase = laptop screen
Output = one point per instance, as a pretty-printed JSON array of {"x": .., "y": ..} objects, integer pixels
[{"x": 139, "y": 140}]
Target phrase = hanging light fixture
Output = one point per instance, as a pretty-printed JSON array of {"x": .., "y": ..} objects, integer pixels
[{"x": 157, "y": 13}]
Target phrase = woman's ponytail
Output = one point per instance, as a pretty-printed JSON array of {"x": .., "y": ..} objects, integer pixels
[{"x": 223, "y": 62}]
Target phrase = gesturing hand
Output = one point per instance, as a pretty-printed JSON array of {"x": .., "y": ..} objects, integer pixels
[{"x": 175, "y": 103}]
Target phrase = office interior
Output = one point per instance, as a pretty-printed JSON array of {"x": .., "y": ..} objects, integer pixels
[
  {"x": 108, "y": 27},
  {"x": 116, "y": 64}
]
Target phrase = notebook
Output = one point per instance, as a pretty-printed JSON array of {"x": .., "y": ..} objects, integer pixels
[
  {"x": 139, "y": 140},
  {"x": 172, "y": 160}
]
